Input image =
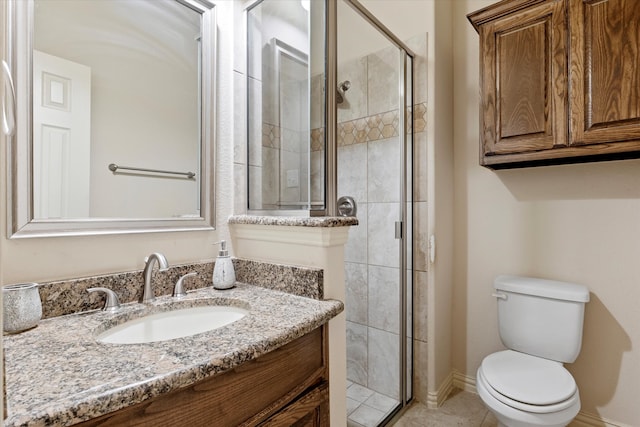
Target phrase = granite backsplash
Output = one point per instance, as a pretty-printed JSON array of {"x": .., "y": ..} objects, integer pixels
[{"x": 70, "y": 296}]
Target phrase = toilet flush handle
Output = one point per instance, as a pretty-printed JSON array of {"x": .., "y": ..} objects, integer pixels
[{"x": 499, "y": 295}]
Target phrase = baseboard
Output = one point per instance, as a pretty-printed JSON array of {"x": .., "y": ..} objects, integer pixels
[
  {"x": 437, "y": 398},
  {"x": 464, "y": 382},
  {"x": 589, "y": 420},
  {"x": 468, "y": 383}
]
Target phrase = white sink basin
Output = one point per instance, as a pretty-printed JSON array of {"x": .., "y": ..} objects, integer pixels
[{"x": 172, "y": 324}]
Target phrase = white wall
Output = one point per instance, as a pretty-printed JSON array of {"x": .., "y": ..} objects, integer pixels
[{"x": 578, "y": 223}]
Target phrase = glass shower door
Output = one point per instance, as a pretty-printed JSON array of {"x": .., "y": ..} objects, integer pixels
[{"x": 374, "y": 150}]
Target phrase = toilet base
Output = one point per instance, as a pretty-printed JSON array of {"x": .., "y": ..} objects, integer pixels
[{"x": 511, "y": 417}]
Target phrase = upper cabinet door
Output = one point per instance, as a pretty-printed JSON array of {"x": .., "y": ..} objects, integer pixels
[
  {"x": 523, "y": 82},
  {"x": 605, "y": 73}
]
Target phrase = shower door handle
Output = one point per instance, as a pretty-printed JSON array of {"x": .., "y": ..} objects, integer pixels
[
  {"x": 398, "y": 229},
  {"x": 347, "y": 206}
]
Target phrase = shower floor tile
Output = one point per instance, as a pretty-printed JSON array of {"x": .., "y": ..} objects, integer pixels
[
  {"x": 367, "y": 408},
  {"x": 359, "y": 393},
  {"x": 352, "y": 405},
  {"x": 366, "y": 416},
  {"x": 381, "y": 402}
]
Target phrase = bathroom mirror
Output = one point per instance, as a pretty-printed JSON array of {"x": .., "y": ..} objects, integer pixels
[
  {"x": 115, "y": 116},
  {"x": 285, "y": 81}
]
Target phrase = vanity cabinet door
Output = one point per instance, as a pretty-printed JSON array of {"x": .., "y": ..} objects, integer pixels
[
  {"x": 310, "y": 410},
  {"x": 523, "y": 82},
  {"x": 605, "y": 73}
]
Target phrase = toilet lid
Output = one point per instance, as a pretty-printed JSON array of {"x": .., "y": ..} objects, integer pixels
[{"x": 528, "y": 379}]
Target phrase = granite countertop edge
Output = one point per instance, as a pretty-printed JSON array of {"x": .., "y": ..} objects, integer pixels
[
  {"x": 276, "y": 318},
  {"x": 295, "y": 221}
]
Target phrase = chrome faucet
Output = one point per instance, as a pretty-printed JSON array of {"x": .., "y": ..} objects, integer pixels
[{"x": 147, "y": 292}]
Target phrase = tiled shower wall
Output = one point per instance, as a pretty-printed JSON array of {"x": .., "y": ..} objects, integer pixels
[
  {"x": 369, "y": 171},
  {"x": 351, "y": 121},
  {"x": 284, "y": 146}
]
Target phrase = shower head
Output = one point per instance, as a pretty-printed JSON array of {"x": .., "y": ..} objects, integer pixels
[{"x": 342, "y": 88}]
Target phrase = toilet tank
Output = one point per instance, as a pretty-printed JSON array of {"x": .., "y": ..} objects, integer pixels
[{"x": 541, "y": 317}]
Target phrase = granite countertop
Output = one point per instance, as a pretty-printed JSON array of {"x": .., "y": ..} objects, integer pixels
[{"x": 57, "y": 374}]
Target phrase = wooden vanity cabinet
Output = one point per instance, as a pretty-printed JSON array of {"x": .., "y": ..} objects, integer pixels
[
  {"x": 288, "y": 386},
  {"x": 559, "y": 81}
]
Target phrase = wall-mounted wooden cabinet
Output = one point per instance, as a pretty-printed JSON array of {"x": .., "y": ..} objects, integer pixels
[{"x": 559, "y": 81}]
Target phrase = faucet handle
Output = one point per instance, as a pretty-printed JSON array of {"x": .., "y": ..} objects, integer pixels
[
  {"x": 178, "y": 290},
  {"x": 113, "y": 303}
]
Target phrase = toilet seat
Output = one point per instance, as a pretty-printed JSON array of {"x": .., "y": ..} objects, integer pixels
[{"x": 549, "y": 386}]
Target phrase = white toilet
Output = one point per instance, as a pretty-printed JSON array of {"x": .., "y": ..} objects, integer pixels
[{"x": 540, "y": 322}]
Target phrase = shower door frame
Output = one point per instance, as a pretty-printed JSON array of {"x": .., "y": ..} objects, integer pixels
[{"x": 406, "y": 132}]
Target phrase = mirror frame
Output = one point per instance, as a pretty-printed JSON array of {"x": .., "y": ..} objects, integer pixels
[{"x": 21, "y": 222}]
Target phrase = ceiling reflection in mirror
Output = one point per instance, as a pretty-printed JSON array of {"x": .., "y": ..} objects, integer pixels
[{"x": 116, "y": 82}]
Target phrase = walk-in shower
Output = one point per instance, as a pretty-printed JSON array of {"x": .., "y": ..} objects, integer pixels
[
  {"x": 309, "y": 145},
  {"x": 374, "y": 156}
]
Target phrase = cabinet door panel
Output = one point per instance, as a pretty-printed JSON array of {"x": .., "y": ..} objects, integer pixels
[
  {"x": 522, "y": 72},
  {"x": 605, "y": 78},
  {"x": 311, "y": 410},
  {"x": 524, "y": 82}
]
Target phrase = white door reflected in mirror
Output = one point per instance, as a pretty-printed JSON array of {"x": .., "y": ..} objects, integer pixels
[{"x": 61, "y": 137}]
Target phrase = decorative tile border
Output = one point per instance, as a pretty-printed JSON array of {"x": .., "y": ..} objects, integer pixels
[
  {"x": 379, "y": 126},
  {"x": 70, "y": 296},
  {"x": 317, "y": 139},
  {"x": 420, "y": 117},
  {"x": 357, "y": 131},
  {"x": 270, "y": 135},
  {"x": 367, "y": 129}
]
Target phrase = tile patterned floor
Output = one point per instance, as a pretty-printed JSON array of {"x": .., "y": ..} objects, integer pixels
[
  {"x": 365, "y": 407},
  {"x": 461, "y": 409}
]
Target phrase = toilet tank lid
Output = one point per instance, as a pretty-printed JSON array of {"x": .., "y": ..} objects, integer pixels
[{"x": 542, "y": 287}]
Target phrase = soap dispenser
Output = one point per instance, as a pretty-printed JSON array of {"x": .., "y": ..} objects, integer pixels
[{"x": 224, "y": 276}]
